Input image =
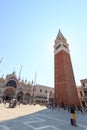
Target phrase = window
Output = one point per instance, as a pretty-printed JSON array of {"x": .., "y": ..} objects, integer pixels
[
  {"x": 40, "y": 90},
  {"x": 45, "y": 91},
  {"x": 85, "y": 93},
  {"x": 83, "y": 84},
  {"x": 50, "y": 92},
  {"x": 65, "y": 46},
  {"x": 11, "y": 83},
  {"x": 58, "y": 46},
  {"x": 81, "y": 93}
]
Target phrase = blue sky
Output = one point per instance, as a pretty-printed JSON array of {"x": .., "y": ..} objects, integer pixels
[{"x": 28, "y": 29}]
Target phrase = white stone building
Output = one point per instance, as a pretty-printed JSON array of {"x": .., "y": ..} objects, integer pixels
[
  {"x": 43, "y": 93},
  {"x": 82, "y": 92}
]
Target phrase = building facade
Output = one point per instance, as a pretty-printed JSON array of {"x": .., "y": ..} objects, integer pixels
[
  {"x": 43, "y": 94},
  {"x": 65, "y": 92},
  {"x": 11, "y": 87},
  {"x": 82, "y": 92}
]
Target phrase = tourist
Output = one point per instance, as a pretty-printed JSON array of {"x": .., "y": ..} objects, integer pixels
[{"x": 73, "y": 119}]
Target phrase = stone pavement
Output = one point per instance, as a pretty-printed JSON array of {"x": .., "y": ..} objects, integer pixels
[{"x": 45, "y": 119}]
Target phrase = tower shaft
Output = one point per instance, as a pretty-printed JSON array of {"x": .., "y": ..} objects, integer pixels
[{"x": 65, "y": 86}]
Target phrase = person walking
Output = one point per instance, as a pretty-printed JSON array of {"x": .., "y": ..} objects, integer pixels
[{"x": 73, "y": 119}]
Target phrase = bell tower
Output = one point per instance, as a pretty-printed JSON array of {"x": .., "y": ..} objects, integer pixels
[{"x": 64, "y": 81}]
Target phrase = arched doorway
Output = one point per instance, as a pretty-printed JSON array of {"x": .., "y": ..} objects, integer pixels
[
  {"x": 27, "y": 97},
  {"x": 9, "y": 93},
  {"x": 20, "y": 96}
]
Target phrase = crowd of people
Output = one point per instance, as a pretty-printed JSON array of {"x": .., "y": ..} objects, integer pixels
[
  {"x": 12, "y": 103},
  {"x": 72, "y": 109}
]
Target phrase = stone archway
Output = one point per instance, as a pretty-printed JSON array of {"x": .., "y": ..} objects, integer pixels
[
  {"x": 20, "y": 96},
  {"x": 9, "y": 93},
  {"x": 27, "y": 97}
]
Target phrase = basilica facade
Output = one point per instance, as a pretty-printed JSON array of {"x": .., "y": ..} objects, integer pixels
[{"x": 12, "y": 87}]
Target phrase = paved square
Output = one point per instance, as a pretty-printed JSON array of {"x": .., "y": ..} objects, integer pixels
[{"x": 45, "y": 119}]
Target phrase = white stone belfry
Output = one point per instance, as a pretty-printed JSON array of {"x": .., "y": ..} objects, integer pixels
[{"x": 60, "y": 43}]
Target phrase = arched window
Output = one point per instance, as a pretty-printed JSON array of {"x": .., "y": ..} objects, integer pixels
[
  {"x": 50, "y": 92},
  {"x": 11, "y": 83},
  {"x": 81, "y": 93},
  {"x": 40, "y": 90},
  {"x": 84, "y": 84},
  {"x": 45, "y": 91}
]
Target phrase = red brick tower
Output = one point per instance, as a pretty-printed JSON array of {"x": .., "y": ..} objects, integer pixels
[{"x": 65, "y": 86}]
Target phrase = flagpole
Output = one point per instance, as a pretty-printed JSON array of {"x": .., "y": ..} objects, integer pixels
[
  {"x": 20, "y": 72},
  {"x": 1, "y": 60},
  {"x": 35, "y": 78},
  {"x": 34, "y": 87}
]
